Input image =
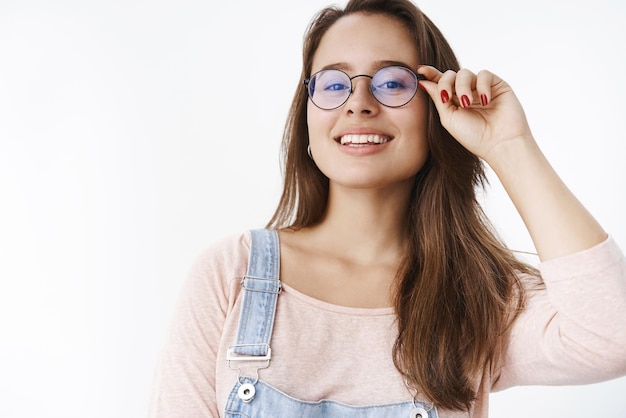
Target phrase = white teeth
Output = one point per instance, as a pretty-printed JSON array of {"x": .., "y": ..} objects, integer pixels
[{"x": 363, "y": 139}]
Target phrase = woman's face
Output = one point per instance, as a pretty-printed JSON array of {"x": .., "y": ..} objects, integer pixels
[{"x": 395, "y": 146}]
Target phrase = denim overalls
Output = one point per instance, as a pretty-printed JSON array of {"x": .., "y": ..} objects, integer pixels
[{"x": 250, "y": 397}]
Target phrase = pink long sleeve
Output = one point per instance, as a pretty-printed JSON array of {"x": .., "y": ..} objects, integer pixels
[
  {"x": 185, "y": 382},
  {"x": 574, "y": 331}
]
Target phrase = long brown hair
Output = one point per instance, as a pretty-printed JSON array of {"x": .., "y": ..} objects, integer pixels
[{"x": 457, "y": 291}]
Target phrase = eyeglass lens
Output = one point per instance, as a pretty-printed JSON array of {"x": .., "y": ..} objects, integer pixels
[{"x": 392, "y": 86}]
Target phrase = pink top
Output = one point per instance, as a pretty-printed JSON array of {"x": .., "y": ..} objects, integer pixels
[{"x": 573, "y": 332}]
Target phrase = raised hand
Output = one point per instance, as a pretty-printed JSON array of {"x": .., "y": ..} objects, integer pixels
[
  {"x": 484, "y": 115},
  {"x": 480, "y": 110}
]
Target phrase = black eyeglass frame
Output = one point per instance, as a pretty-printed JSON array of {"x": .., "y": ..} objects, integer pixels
[{"x": 418, "y": 77}]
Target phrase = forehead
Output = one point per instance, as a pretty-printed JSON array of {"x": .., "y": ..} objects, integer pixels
[{"x": 358, "y": 41}]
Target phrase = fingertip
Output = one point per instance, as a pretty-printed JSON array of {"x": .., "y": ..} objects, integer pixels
[
  {"x": 465, "y": 101},
  {"x": 444, "y": 96},
  {"x": 427, "y": 71},
  {"x": 484, "y": 83}
]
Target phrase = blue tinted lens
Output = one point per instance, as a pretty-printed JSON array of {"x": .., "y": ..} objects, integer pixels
[
  {"x": 329, "y": 89},
  {"x": 394, "y": 86}
]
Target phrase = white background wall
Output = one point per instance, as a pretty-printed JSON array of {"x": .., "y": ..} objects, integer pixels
[{"x": 134, "y": 133}]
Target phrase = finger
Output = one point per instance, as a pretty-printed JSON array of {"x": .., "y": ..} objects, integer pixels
[
  {"x": 446, "y": 86},
  {"x": 438, "y": 85},
  {"x": 441, "y": 91},
  {"x": 465, "y": 84},
  {"x": 430, "y": 83},
  {"x": 430, "y": 72},
  {"x": 484, "y": 81}
]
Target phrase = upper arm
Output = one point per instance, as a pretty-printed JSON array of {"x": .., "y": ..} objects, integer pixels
[
  {"x": 185, "y": 383},
  {"x": 574, "y": 330}
]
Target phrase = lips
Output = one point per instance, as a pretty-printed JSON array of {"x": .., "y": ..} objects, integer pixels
[{"x": 363, "y": 139}]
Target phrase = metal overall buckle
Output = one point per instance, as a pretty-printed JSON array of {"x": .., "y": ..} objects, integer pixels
[{"x": 246, "y": 389}]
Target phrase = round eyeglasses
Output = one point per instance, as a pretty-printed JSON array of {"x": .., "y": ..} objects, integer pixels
[{"x": 392, "y": 86}]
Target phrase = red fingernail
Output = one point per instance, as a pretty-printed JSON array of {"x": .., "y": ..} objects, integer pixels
[
  {"x": 420, "y": 86},
  {"x": 483, "y": 99},
  {"x": 465, "y": 101},
  {"x": 444, "y": 96}
]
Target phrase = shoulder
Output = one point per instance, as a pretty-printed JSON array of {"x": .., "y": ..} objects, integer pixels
[
  {"x": 217, "y": 270},
  {"x": 228, "y": 252}
]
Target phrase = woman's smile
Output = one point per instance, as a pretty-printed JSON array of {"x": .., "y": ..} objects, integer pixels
[{"x": 361, "y": 140}]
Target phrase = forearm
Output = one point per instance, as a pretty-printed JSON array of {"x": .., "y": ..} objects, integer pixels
[{"x": 556, "y": 220}]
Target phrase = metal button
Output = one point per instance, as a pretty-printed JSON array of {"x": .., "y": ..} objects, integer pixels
[
  {"x": 418, "y": 413},
  {"x": 246, "y": 392}
]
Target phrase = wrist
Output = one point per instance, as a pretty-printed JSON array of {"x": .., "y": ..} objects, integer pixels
[{"x": 511, "y": 155}]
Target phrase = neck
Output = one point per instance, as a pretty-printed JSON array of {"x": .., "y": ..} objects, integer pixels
[{"x": 366, "y": 224}]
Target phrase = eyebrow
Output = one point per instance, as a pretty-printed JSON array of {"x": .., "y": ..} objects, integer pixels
[{"x": 376, "y": 65}]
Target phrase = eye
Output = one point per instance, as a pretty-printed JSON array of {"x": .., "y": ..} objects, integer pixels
[
  {"x": 394, "y": 80},
  {"x": 336, "y": 87},
  {"x": 332, "y": 82},
  {"x": 391, "y": 85}
]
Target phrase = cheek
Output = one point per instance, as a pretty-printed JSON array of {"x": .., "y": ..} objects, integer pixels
[
  {"x": 419, "y": 121},
  {"x": 319, "y": 122},
  {"x": 414, "y": 120},
  {"x": 415, "y": 127}
]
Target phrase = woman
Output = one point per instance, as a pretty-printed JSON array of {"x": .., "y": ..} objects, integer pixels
[{"x": 379, "y": 288}]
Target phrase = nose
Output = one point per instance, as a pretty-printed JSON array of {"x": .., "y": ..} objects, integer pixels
[{"x": 362, "y": 101}]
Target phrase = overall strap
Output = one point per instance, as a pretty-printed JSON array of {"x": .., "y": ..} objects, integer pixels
[{"x": 261, "y": 286}]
